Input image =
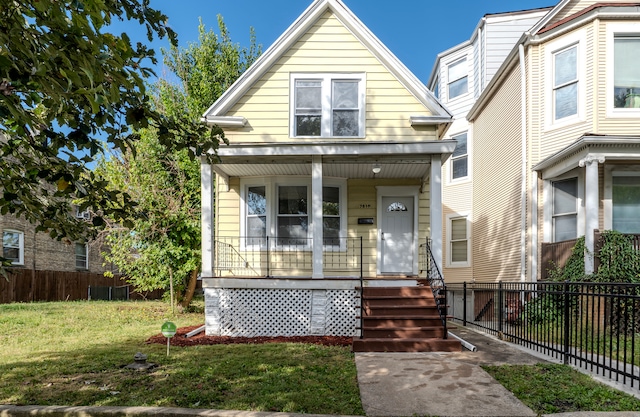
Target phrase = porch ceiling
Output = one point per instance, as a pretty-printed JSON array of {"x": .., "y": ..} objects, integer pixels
[{"x": 344, "y": 160}]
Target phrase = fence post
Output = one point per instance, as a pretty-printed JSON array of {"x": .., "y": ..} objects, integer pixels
[
  {"x": 464, "y": 303},
  {"x": 567, "y": 310},
  {"x": 500, "y": 306}
]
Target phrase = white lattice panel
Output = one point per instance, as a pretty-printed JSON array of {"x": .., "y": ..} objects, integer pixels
[
  {"x": 341, "y": 313},
  {"x": 280, "y": 312}
]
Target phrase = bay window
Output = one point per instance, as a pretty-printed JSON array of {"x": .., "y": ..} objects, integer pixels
[
  {"x": 459, "y": 166},
  {"x": 565, "y": 82},
  {"x": 626, "y": 83},
  {"x": 457, "y": 78},
  {"x": 565, "y": 209}
]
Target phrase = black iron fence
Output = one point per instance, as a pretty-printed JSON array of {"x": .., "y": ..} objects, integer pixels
[
  {"x": 588, "y": 325},
  {"x": 286, "y": 256}
]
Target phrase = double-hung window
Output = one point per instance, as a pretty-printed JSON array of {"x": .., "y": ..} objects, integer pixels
[
  {"x": 13, "y": 246},
  {"x": 565, "y": 209},
  {"x": 459, "y": 159},
  {"x": 457, "y": 78},
  {"x": 331, "y": 216},
  {"x": 458, "y": 237},
  {"x": 626, "y": 71},
  {"x": 256, "y": 215},
  {"x": 293, "y": 215},
  {"x": 328, "y": 105},
  {"x": 82, "y": 256},
  {"x": 565, "y": 82}
]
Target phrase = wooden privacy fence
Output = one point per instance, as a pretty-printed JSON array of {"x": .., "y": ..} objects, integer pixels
[{"x": 24, "y": 285}]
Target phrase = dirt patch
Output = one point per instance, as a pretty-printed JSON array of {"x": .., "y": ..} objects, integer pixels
[{"x": 201, "y": 339}]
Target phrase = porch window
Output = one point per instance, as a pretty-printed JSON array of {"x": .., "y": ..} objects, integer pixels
[
  {"x": 13, "y": 246},
  {"x": 565, "y": 82},
  {"x": 626, "y": 204},
  {"x": 625, "y": 72},
  {"x": 565, "y": 209},
  {"x": 458, "y": 241},
  {"x": 331, "y": 216},
  {"x": 459, "y": 157},
  {"x": 327, "y": 105},
  {"x": 293, "y": 219},
  {"x": 82, "y": 258},
  {"x": 457, "y": 78},
  {"x": 256, "y": 225}
]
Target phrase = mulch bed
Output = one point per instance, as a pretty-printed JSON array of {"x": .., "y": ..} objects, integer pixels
[{"x": 201, "y": 339}]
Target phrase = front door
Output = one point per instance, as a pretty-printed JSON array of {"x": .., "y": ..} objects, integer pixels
[{"x": 396, "y": 235}]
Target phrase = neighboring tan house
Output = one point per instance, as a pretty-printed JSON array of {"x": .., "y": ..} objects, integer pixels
[
  {"x": 37, "y": 251},
  {"x": 332, "y": 175},
  {"x": 460, "y": 74},
  {"x": 556, "y": 140}
]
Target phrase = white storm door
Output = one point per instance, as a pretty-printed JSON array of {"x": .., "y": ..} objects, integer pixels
[{"x": 396, "y": 235}]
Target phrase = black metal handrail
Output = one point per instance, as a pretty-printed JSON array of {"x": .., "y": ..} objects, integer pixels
[{"x": 436, "y": 282}]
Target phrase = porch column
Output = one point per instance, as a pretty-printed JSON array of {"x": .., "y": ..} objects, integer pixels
[
  {"x": 316, "y": 216},
  {"x": 206, "y": 217},
  {"x": 435, "y": 209},
  {"x": 591, "y": 186}
]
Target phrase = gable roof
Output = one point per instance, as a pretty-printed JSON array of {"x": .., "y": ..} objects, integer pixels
[{"x": 304, "y": 22}]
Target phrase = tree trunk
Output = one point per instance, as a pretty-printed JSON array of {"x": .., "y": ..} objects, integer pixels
[
  {"x": 191, "y": 289},
  {"x": 171, "y": 290}
]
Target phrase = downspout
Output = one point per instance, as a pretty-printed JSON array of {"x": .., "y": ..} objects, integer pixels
[{"x": 523, "y": 173}]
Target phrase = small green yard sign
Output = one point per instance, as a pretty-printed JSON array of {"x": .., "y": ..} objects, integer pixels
[{"x": 168, "y": 329}]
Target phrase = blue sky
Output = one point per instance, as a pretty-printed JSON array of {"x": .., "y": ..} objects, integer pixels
[{"x": 414, "y": 30}]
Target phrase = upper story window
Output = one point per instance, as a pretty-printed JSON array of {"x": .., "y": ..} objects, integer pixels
[
  {"x": 459, "y": 159},
  {"x": 13, "y": 246},
  {"x": 565, "y": 82},
  {"x": 436, "y": 87},
  {"x": 626, "y": 73},
  {"x": 457, "y": 78},
  {"x": 565, "y": 209},
  {"x": 328, "y": 105}
]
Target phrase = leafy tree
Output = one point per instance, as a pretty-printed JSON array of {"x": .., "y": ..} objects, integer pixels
[
  {"x": 160, "y": 246},
  {"x": 69, "y": 90}
]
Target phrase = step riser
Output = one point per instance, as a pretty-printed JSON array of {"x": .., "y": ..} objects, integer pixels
[
  {"x": 429, "y": 345},
  {"x": 398, "y": 291},
  {"x": 425, "y": 302},
  {"x": 405, "y": 310},
  {"x": 398, "y": 322},
  {"x": 407, "y": 334}
]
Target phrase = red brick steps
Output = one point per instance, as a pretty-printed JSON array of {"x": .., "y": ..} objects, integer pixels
[{"x": 402, "y": 319}]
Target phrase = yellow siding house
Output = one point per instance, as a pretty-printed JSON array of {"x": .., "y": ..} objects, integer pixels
[{"x": 331, "y": 180}]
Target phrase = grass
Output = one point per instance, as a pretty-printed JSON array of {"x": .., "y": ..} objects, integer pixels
[
  {"x": 73, "y": 353},
  {"x": 552, "y": 388}
]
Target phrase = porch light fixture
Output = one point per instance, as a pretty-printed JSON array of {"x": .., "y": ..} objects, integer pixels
[{"x": 376, "y": 168}]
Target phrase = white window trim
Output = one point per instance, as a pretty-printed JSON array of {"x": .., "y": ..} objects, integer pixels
[
  {"x": 327, "y": 122},
  {"x": 465, "y": 58},
  {"x": 547, "y": 203},
  {"x": 466, "y": 178},
  {"x": 271, "y": 185},
  {"x": 20, "y": 244},
  {"x": 609, "y": 172},
  {"x": 450, "y": 218},
  {"x": 614, "y": 29},
  {"x": 577, "y": 39},
  {"x": 86, "y": 254}
]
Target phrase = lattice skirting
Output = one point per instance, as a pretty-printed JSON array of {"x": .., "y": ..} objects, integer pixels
[{"x": 280, "y": 312}]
